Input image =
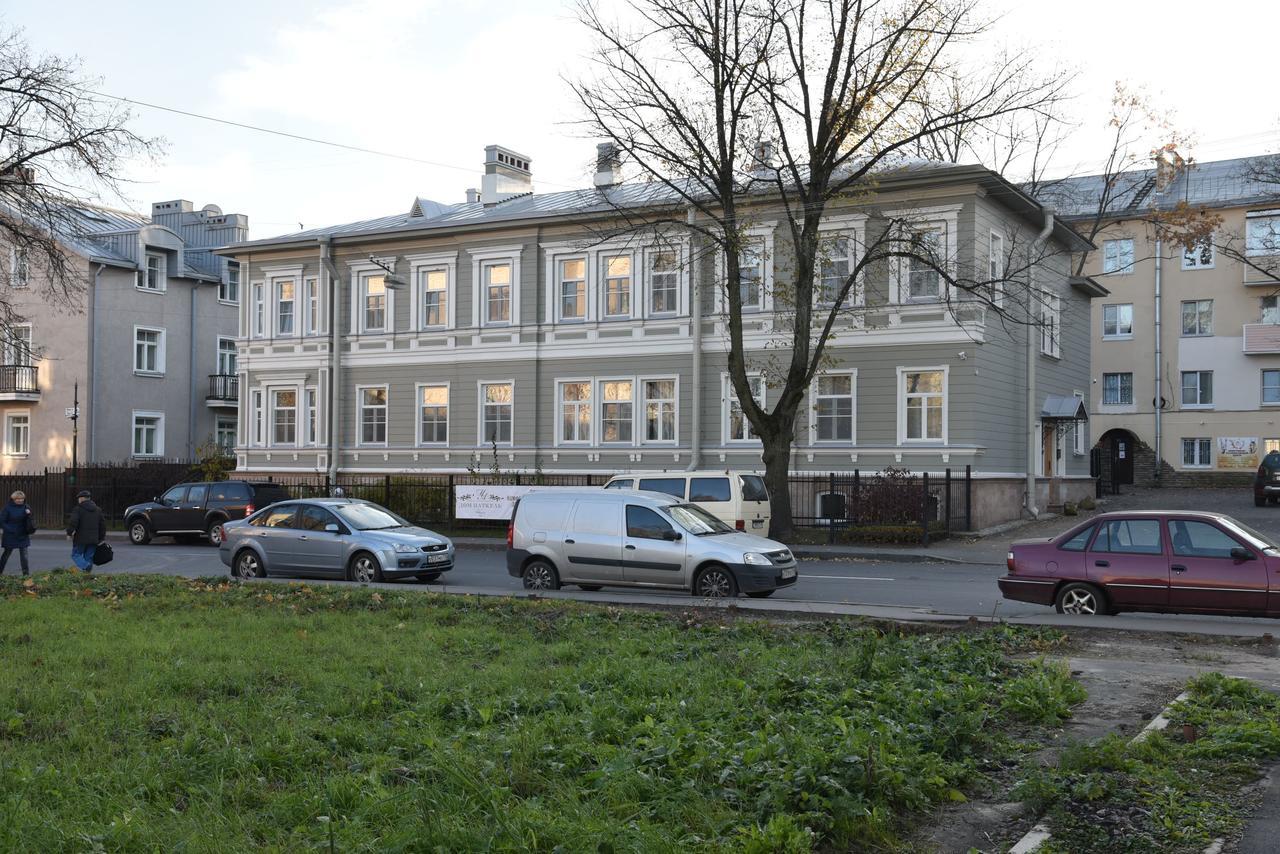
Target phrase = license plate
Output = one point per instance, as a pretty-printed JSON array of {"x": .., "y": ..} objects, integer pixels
[
  {"x": 437, "y": 558},
  {"x": 757, "y": 523},
  {"x": 788, "y": 573}
]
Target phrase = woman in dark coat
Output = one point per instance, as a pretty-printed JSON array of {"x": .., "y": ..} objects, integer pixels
[{"x": 15, "y": 521}]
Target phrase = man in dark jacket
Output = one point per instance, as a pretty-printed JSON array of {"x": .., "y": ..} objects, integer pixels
[{"x": 86, "y": 528}]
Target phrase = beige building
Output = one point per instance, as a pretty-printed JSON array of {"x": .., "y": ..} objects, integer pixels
[{"x": 1185, "y": 385}]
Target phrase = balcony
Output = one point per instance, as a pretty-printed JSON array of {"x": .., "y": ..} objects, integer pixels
[
  {"x": 19, "y": 382},
  {"x": 224, "y": 391},
  {"x": 1261, "y": 339}
]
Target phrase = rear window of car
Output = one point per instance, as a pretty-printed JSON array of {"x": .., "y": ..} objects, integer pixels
[
  {"x": 196, "y": 494},
  {"x": 673, "y": 486},
  {"x": 628, "y": 483},
  {"x": 709, "y": 489},
  {"x": 1079, "y": 541},
  {"x": 268, "y": 493},
  {"x": 753, "y": 488},
  {"x": 1130, "y": 536},
  {"x": 229, "y": 491}
]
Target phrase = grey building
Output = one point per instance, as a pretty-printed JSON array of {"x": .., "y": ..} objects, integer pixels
[
  {"x": 520, "y": 337},
  {"x": 148, "y": 344}
]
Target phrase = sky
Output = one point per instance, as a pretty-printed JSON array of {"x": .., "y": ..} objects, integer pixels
[{"x": 438, "y": 80}]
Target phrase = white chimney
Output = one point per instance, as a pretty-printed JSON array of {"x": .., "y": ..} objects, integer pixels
[
  {"x": 506, "y": 173},
  {"x": 608, "y": 165},
  {"x": 473, "y": 195},
  {"x": 763, "y": 166}
]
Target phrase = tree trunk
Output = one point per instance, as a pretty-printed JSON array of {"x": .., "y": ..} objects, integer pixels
[{"x": 777, "y": 476}]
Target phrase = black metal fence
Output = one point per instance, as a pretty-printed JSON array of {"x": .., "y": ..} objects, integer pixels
[
  {"x": 51, "y": 493},
  {"x": 889, "y": 505}
]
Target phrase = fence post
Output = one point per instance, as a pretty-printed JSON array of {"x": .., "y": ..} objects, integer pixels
[
  {"x": 830, "y": 502},
  {"x": 857, "y": 497},
  {"x": 968, "y": 498},
  {"x": 453, "y": 520},
  {"x": 946, "y": 503},
  {"x": 386, "y": 491},
  {"x": 924, "y": 509}
]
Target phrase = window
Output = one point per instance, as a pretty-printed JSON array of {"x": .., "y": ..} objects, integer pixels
[
  {"x": 664, "y": 283},
  {"x": 575, "y": 412},
  {"x": 197, "y": 494},
  {"x": 1271, "y": 309},
  {"x": 628, "y": 483},
  {"x": 224, "y": 433},
  {"x": 923, "y": 281},
  {"x": 1269, "y": 445},
  {"x": 1117, "y": 256},
  {"x": 284, "y": 417},
  {"x": 17, "y": 345},
  {"x": 1117, "y": 321},
  {"x": 1050, "y": 325},
  {"x": 645, "y": 524},
  {"x": 1079, "y": 542},
  {"x": 148, "y": 350},
  {"x": 257, "y": 415},
  {"x": 1198, "y": 256},
  {"x": 276, "y": 517},
  {"x": 1079, "y": 428},
  {"x": 1197, "y": 388},
  {"x": 229, "y": 287},
  {"x": 153, "y": 277},
  {"x": 673, "y": 486},
  {"x": 285, "y": 306},
  {"x": 835, "y": 263},
  {"x": 1197, "y": 317},
  {"x": 374, "y": 307},
  {"x": 226, "y": 356},
  {"x": 495, "y": 417},
  {"x": 1200, "y": 539},
  {"x": 497, "y": 293},
  {"x": 17, "y": 434},
  {"x": 1271, "y": 387},
  {"x": 435, "y": 297},
  {"x": 433, "y": 414},
  {"x": 1129, "y": 536},
  {"x": 616, "y": 410},
  {"x": 833, "y": 408},
  {"x": 995, "y": 259},
  {"x": 573, "y": 289},
  {"x": 923, "y": 406},
  {"x": 751, "y": 276},
  {"x": 617, "y": 286},
  {"x": 659, "y": 410},
  {"x": 709, "y": 489},
  {"x": 148, "y": 434},
  {"x": 311, "y": 414},
  {"x": 1117, "y": 389},
  {"x": 1196, "y": 453},
  {"x": 1262, "y": 233},
  {"x": 311, "y": 306},
  {"x": 738, "y": 427},
  {"x": 19, "y": 267},
  {"x": 313, "y": 518},
  {"x": 373, "y": 415},
  {"x": 258, "y": 310}
]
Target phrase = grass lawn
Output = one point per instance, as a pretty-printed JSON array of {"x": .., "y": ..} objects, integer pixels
[{"x": 155, "y": 713}]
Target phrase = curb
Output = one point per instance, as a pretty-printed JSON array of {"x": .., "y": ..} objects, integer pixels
[{"x": 817, "y": 552}]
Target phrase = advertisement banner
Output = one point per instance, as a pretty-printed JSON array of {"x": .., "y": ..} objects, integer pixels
[
  {"x": 1237, "y": 452},
  {"x": 492, "y": 502}
]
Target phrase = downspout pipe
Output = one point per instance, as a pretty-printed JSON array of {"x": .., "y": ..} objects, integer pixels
[
  {"x": 335, "y": 357},
  {"x": 1158, "y": 400},
  {"x": 1033, "y": 439},
  {"x": 695, "y": 317},
  {"x": 192, "y": 333},
  {"x": 93, "y": 365}
]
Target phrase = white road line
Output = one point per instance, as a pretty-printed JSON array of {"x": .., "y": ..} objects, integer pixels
[{"x": 850, "y": 577}]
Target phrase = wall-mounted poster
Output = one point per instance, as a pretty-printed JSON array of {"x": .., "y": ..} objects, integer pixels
[{"x": 1237, "y": 452}]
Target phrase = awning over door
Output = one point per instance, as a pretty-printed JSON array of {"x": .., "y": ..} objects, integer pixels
[{"x": 1058, "y": 407}]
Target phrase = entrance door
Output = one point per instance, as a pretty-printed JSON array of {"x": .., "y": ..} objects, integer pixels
[
  {"x": 1122, "y": 458},
  {"x": 1048, "y": 437}
]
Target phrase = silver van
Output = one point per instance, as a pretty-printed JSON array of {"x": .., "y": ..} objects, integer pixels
[{"x": 619, "y": 538}]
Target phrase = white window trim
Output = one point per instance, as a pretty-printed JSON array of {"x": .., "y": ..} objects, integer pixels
[
  {"x": 812, "y": 395},
  {"x": 1124, "y": 336},
  {"x": 560, "y": 440},
  {"x": 304, "y": 325},
  {"x": 902, "y": 404},
  {"x": 133, "y": 427},
  {"x": 162, "y": 273},
  {"x": 218, "y": 420},
  {"x": 448, "y": 414},
  {"x": 1182, "y": 456},
  {"x": 217, "y": 355},
  {"x": 680, "y": 248},
  {"x": 424, "y": 263},
  {"x": 1182, "y": 333},
  {"x": 1116, "y": 407},
  {"x": 602, "y": 297},
  {"x": 257, "y": 419},
  {"x": 924, "y": 219},
  {"x": 481, "y": 442},
  {"x": 277, "y": 283},
  {"x": 854, "y": 227},
  {"x": 997, "y": 277},
  {"x": 160, "y": 351},
  {"x": 1078, "y": 446},
  {"x": 10, "y": 352},
  {"x": 14, "y": 252},
  {"x": 298, "y": 424},
  {"x": 1256, "y": 253},
  {"x": 225, "y": 282},
  {"x": 479, "y": 301},
  {"x": 359, "y": 425},
  {"x": 598, "y": 402},
  {"x": 1262, "y": 385},
  {"x": 554, "y": 260},
  {"x": 257, "y": 300},
  {"x": 8, "y": 418},
  {"x": 1051, "y": 304},
  {"x": 1213, "y": 258},
  {"x": 304, "y": 424},
  {"x": 360, "y": 272},
  {"x": 1184, "y": 404},
  {"x": 1123, "y": 271},
  {"x": 641, "y": 423},
  {"x": 762, "y": 234},
  {"x": 727, "y": 394}
]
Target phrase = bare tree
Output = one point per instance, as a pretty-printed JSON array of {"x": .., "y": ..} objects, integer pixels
[
  {"x": 730, "y": 107},
  {"x": 60, "y": 145}
]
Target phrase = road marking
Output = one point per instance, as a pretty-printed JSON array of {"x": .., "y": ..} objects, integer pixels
[{"x": 850, "y": 577}]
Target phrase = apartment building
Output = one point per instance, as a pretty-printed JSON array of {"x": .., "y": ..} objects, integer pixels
[
  {"x": 1185, "y": 387},
  {"x": 147, "y": 347},
  {"x": 506, "y": 332}
]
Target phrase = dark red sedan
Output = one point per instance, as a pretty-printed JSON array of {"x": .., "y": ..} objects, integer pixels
[{"x": 1152, "y": 561}]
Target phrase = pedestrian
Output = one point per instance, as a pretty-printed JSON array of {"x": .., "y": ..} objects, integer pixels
[
  {"x": 18, "y": 526},
  {"x": 87, "y": 527}
]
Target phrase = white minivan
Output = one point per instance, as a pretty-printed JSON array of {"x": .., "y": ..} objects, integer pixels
[
  {"x": 738, "y": 499},
  {"x": 625, "y": 538}
]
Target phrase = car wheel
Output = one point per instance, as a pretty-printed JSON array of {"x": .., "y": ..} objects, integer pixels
[
  {"x": 364, "y": 569},
  {"x": 248, "y": 565},
  {"x": 715, "y": 582},
  {"x": 760, "y": 594},
  {"x": 591, "y": 588},
  {"x": 428, "y": 577},
  {"x": 1079, "y": 598},
  {"x": 139, "y": 533},
  {"x": 540, "y": 575},
  {"x": 215, "y": 533}
]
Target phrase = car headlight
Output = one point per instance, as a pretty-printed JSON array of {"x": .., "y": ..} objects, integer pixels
[
  {"x": 405, "y": 548},
  {"x": 756, "y": 559}
]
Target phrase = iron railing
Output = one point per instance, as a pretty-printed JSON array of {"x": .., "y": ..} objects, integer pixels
[
  {"x": 224, "y": 387},
  {"x": 18, "y": 379}
]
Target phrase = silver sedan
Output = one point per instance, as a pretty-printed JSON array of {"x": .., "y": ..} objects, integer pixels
[{"x": 339, "y": 537}]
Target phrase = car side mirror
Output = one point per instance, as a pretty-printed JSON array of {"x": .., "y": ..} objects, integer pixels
[
  {"x": 1242, "y": 554},
  {"x": 672, "y": 536},
  {"x": 332, "y": 528}
]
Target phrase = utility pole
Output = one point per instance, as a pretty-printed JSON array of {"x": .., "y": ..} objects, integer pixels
[{"x": 74, "y": 415}]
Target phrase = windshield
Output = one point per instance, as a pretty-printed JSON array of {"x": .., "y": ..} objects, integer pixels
[
  {"x": 1263, "y": 540},
  {"x": 695, "y": 520},
  {"x": 369, "y": 517}
]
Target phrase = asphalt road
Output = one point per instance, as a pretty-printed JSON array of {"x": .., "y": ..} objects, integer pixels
[{"x": 885, "y": 589}]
